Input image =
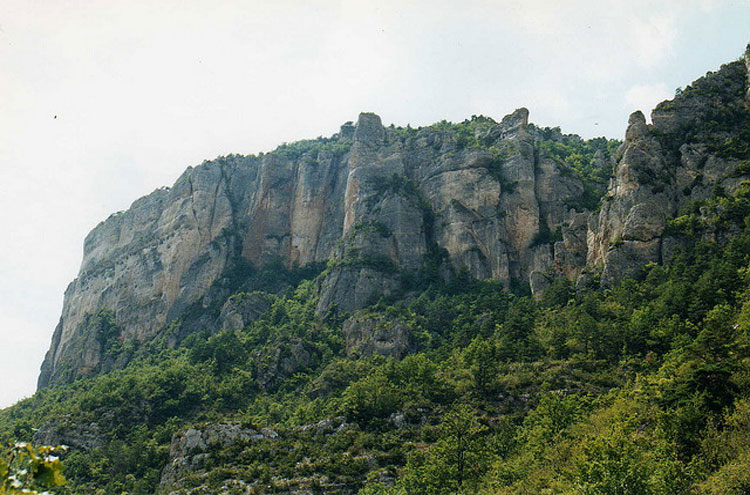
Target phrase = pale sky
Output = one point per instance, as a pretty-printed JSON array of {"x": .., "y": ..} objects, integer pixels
[{"x": 142, "y": 89}]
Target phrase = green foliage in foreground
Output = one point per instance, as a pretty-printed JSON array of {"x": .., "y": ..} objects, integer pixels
[
  {"x": 643, "y": 388},
  {"x": 25, "y": 469}
]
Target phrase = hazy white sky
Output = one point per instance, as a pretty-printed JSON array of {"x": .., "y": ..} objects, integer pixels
[{"x": 103, "y": 101}]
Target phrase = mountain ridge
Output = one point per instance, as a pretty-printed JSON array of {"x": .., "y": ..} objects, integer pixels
[
  {"x": 367, "y": 201},
  {"x": 613, "y": 358},
  {"x": 371, "y": 202}
]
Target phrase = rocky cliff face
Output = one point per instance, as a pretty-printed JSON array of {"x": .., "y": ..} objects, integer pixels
[
  {"x": 693, "y": 149},
  {"x": 372, "y": 202},
  {"x": 381, "y": 206}
]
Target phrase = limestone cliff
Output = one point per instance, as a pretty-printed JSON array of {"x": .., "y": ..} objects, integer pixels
[
  {"x": 374, "y": 203},
  {"x": 696, "y": 147},
  {"x": 381, "y": 207}
]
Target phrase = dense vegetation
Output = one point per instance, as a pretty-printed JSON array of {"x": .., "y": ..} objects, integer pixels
[{"x": 642, "y": 388}]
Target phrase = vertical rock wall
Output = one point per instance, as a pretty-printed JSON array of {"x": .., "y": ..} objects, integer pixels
[
  {"x": 685, "y": 155},
  {"x": 374, "y": 206}
]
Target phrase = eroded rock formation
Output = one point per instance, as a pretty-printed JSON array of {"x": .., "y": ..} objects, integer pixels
[
  {"x": 371, "y": 203},
  {"x": 375, "y": 203},
  {"x": 687, "y": 154}
]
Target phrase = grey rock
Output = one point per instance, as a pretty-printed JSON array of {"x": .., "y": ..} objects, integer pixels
[
  {"x": 241, "y": 310},
  {"x": 637, "y": 128},
  {"x": 278, "y": 362},
  {"x": 516, "y": 122},
  {"x": 368, "y": 334},
  {"x": 660, "y": 168},
  {"x": 399, "y": 420},
  {"x": 198, "y": 439},
  {"x": 64, "y": 431},
  {"x": 570, "y": 253},
  {"x": 348, "y": 288},
  {"x": 328, "y": 426},
  {"x": 369, "y": 129},
  {"x": 375, "y": 211},
  {"x": 269, "y": 433},
  {"x": 538, "y": 281},
  {"x": 364, "y": 211},
  {"x": 644, "y": 222},
  {"x": 628, "y": 258},
  {"x": 191, "y": 449}
]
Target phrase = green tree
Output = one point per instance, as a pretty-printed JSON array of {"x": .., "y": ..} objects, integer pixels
[
  {"x": 703, "y": 385},
  {"x": 455, "y": 463},
  {"x": 548, "y": 423},
  {"x": 612, "y": 465},
  {"x": 481, "y": 360},
  {"x": 370, "y": 398},
  {"x": 516, "y": 340}
]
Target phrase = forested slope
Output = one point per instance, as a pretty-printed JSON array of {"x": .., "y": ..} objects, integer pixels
[{"x": 629, "y": 374}]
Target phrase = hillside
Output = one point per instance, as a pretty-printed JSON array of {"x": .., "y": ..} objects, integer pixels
[
  {"x": 370, "y": 204},
  {"x": 483, "y": 307}
]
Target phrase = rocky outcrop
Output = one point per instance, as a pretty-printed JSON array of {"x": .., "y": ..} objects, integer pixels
[
  {"x": 373, "y": 202},
  {"x": 688, "y": 153},
  {"x": 242, "y": 309},
  {"x": 367, "y": 334},
  {"x": 65, "y": 431},
  {"x": 626, "y": 234},
  {"x": 276, "y": 363},
  {"x": 193, "y": 449},
  {"x": 228, "y": 458},
  {"x": 325, "y": 427},
  {"x": 147, "y": 265},
  {"x": 380, "y": 205}
]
